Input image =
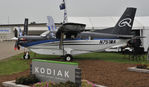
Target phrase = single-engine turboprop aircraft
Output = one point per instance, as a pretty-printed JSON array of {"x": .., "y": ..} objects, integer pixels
[{"x": 72, "y": 38}]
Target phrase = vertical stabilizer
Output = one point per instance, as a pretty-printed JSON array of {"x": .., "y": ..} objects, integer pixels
[{"x": 125, "y": 23}]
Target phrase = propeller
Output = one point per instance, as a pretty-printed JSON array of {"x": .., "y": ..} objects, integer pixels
[{"x": 17, "y": 44}]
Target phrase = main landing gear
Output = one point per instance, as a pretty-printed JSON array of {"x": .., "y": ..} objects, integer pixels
[{"x": 68, "y": 57}]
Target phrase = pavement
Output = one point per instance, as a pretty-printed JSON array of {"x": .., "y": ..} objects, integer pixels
[{"x": 7, "y": 49}]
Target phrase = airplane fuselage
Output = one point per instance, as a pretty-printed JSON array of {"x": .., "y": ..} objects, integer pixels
[{"x": 82, "y": 43}]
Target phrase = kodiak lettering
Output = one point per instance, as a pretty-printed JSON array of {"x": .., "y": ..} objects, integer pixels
[{"x": 52, "y": 72}]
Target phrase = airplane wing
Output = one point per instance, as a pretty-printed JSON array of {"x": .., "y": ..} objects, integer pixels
[{"x": 70, "y": 28}]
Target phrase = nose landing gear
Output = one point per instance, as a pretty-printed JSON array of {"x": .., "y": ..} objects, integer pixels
[{"x": 26, "y": 55}]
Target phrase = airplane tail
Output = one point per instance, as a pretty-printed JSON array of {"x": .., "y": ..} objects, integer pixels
[
  {"x": 51, "y": 24},
  {"x": 125, "y": 23}
]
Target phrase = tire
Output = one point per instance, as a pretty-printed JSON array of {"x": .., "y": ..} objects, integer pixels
[
  {"x": 68, "y": 57},
  {"x": 26, "y": 55},
  {"x": 127, "y": 51}
]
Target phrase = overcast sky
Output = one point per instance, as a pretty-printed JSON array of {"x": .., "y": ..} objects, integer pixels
[{"x": 14, "y": 11}]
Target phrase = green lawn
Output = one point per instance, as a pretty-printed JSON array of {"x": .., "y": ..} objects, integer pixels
[
  {"x": 113, "y": 57},
  {"x": 13, "y": 65},
  {"x": 16, "y": 64}
]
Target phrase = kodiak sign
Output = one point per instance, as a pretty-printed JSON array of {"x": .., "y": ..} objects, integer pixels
[{"x": 56, "y": 71}]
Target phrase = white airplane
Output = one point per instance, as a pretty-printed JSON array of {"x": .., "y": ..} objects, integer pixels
[{"x": 72, "y": 38}]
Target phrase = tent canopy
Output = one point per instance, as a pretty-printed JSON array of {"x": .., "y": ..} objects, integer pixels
[{"x": 105, "y": 22}]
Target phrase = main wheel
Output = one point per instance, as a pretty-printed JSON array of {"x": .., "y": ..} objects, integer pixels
[
  {"x": 68, "y": 57},
  {"x": 26, "y": 55}
]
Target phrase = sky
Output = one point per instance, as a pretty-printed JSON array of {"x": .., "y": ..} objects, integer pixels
[{"x": 14, "y": 11}]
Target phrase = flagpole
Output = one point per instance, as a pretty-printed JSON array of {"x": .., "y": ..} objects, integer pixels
[{"x": 65, "y": 13}]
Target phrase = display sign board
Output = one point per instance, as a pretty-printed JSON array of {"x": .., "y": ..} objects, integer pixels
[
  {"x": 4, "y": 30},
  {"x": 46, "y": 70}
]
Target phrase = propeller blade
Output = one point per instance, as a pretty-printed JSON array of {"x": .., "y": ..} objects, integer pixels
[
  {"x": 25, "y": 27},
  {"x": 16, "y": 47}
]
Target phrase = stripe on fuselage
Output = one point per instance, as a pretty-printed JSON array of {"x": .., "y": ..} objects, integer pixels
[{"x": 72, "y": 42}]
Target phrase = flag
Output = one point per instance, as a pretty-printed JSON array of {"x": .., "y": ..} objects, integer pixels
[
  {"x": 62, "y": 6},
  {"x": 51, "y": 24},
  {"x": 20, "y": 32}
]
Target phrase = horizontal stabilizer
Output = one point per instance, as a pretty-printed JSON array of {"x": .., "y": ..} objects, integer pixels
[
  {"x": 138, "y": 37},
  {"x": 125, "y": 36}
]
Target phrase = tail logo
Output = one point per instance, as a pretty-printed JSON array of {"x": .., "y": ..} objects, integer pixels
[{"x": 125, "y": 22}]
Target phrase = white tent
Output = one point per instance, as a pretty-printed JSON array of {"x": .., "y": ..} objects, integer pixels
[{"x": 105, "y": 22}]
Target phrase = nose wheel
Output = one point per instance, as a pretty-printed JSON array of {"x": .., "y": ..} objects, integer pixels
[
  {"x": 26, "y": 55},
  {"x": 68, "y": 57}
]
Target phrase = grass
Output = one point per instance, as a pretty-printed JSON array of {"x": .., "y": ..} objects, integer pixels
[
  {"x": 16, "y": 64},
  {"x": 13, "y": 65},
  {"x": 112, "y": 57}
]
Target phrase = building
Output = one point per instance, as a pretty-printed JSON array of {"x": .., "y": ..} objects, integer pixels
[{"x": 7, "y": 30}]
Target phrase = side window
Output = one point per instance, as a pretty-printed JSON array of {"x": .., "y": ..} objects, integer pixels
[
  {"x": 90, "y": 37},
  {"x": 72, "y": 36},
  {"x": 64, "y": 36}
]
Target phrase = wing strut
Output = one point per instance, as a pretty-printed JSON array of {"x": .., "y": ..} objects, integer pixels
[{"x": 61, "y": 41}]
